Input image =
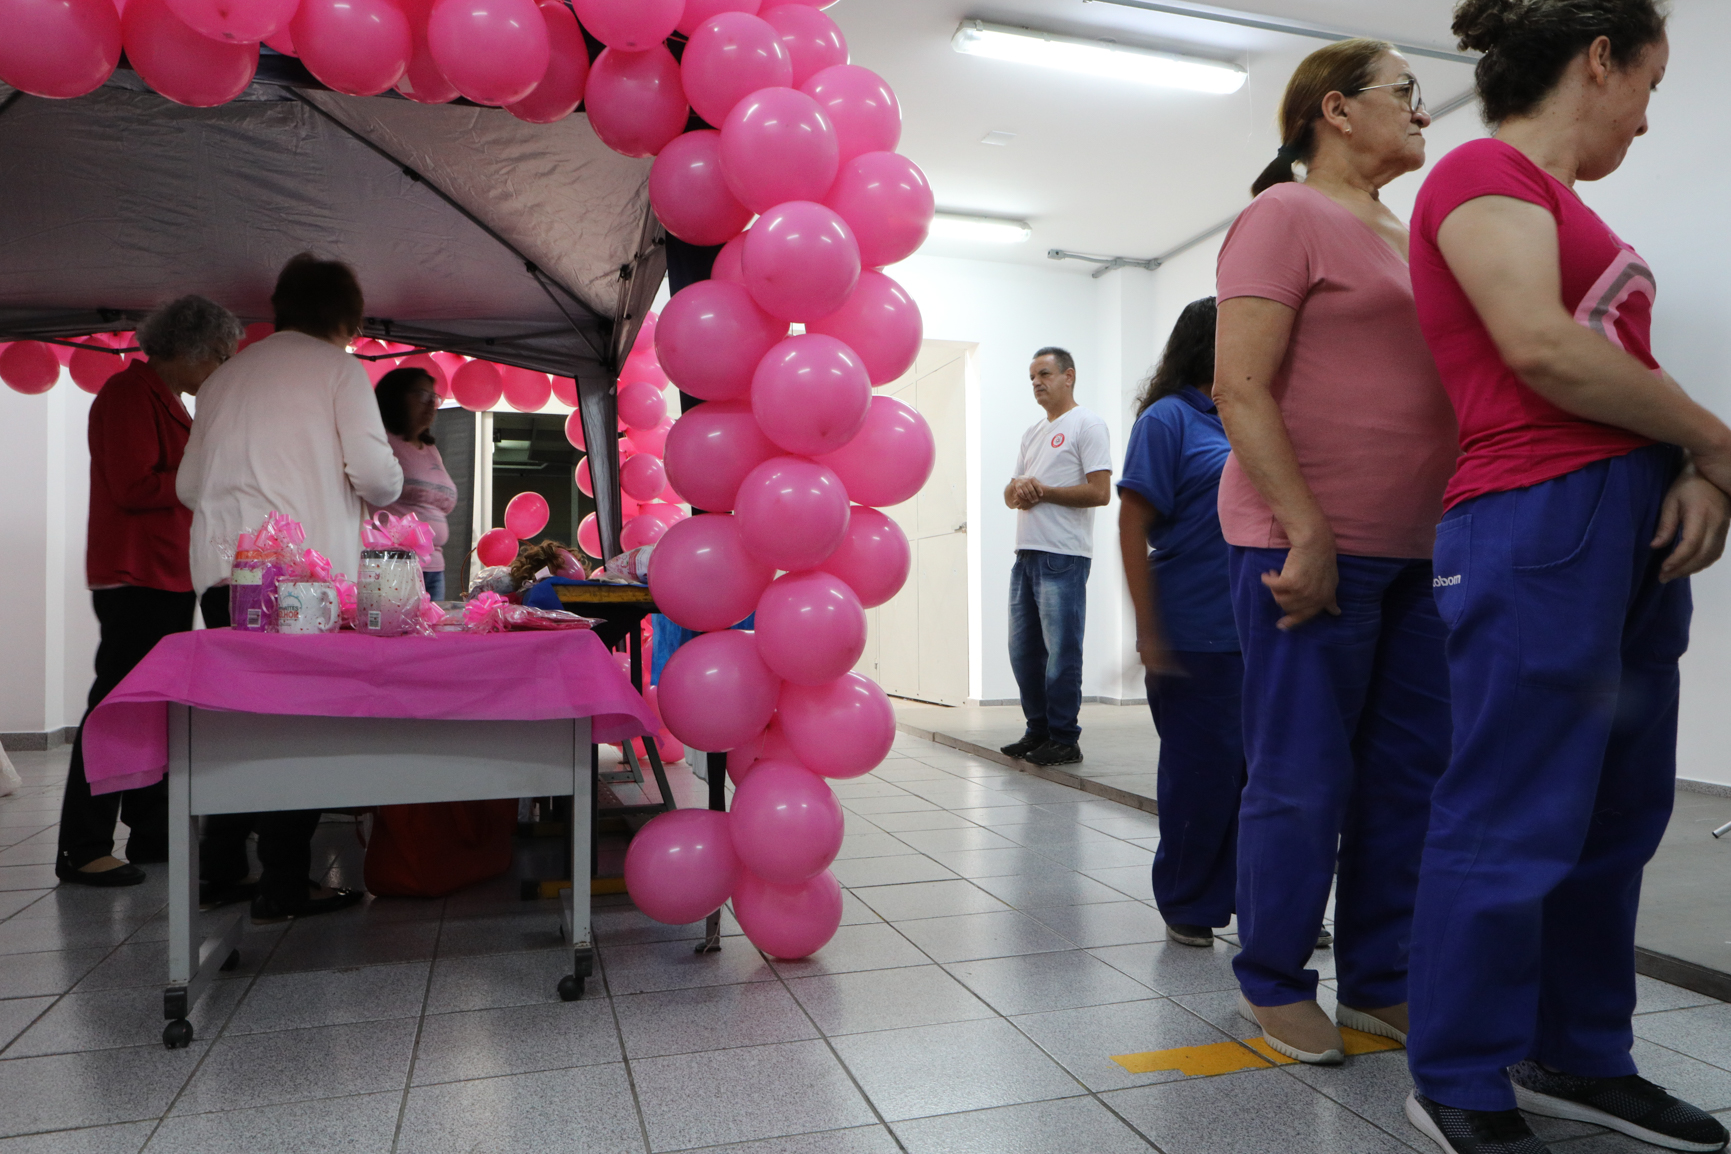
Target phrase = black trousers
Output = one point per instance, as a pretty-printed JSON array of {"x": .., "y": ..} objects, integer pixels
[
  {"x": 284, "y": 837},
  {"x": 133, "y": 619}
]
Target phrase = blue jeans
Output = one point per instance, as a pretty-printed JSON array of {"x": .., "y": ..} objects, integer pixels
[
  {"x": 1198, "y": 718},
  {"x": 1562, "y": 653},
  {"x": 1346, "y": 730},
  {"x": 435, "y": 584},
  {"x": 1048, "y": 614}
]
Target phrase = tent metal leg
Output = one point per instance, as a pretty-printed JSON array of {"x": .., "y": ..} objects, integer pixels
[{"x": 716, "y": 766}]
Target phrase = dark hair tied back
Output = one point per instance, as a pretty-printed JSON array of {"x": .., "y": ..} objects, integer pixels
[{"x": 1528, "y": 43}]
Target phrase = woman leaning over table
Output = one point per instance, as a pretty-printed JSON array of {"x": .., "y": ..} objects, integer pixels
[{"x": 1342, "y": 441}]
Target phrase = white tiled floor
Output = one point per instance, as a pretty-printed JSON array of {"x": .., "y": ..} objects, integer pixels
[{"x": 999, "y": 946}]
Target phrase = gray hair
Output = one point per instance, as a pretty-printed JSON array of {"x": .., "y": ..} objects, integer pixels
[{"x": 190, "y": 329}]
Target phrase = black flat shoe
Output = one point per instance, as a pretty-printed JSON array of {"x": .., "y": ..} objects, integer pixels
[
  {"x": 268, "y": 911},
  {"x": 215, "y": 895},
  {"x": 125, "y": 874}
]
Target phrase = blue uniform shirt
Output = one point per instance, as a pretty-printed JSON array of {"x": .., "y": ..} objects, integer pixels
[{"x": 1177, "y": 449}]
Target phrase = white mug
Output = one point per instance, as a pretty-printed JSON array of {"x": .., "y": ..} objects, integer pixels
[{"x": 307, "y": 607}]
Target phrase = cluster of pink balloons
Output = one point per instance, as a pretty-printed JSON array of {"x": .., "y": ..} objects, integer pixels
[{"x": 33, "y": 367}]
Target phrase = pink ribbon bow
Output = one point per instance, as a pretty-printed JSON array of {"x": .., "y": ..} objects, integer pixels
[{"x": 388, "y": 531}]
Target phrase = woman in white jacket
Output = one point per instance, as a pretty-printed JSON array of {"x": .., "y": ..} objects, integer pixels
[{"x": 289, "y": 424}]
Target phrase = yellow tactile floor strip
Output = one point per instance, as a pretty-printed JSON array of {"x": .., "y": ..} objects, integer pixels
[{"x": 1231, "y": 1057}]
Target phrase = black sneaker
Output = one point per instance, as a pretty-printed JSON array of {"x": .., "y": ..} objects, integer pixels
[
  {"x": 1324, "y": 940},
  {"x": 1022, "y": 748},
  {"x": 1202, "y": 936},
  {"x": 1473, "y": 1131},
  {"x": 1052, "y": 753},
  {"x": 1629, "y": 1105}
]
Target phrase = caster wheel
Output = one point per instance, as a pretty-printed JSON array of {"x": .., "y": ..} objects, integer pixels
[
  {"x": 570, "y": 988},
  {"x": 177, "y": 1035},
  {"x": 232, "y": 961}
]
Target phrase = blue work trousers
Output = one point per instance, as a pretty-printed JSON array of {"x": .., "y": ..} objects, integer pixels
[
  {"x": 1346, "y": 730},
  {"x": 1048, "y": 615},
  {"x": 1562, "y": 651},
  {"x": 1197, "y": 714}
]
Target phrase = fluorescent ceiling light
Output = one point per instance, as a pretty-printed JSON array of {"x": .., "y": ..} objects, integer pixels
[
  {"x": 1097, "y": 58},
  {"x": 983, "y": 229}
]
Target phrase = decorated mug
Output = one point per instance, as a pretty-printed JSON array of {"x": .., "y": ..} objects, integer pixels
[{"x": 307, "y": 607}]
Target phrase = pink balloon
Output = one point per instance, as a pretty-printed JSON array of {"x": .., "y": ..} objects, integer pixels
[
  {"x": 702, "y": 577},
  {"x": 494, "y": 51},
  {"x": 873, "y": 558},
  {"x": 811, "y": 628},
  {"x": 644, "y": 529},
  {"x": 881, "y": 323},
  {"x": 58, "y": 49},
  {"x": 672, "y": 514},
  {"x": 890, "y": 459},
  {"x": 496, "y": 546},
  {"x": 30, "y": 367},
  {"x": 777, "y": 146},
  {"x": 90, "y": 368},
  {"x": 180, "y": 62},
  {"x": 711, "y": 337},
  {"x": 422, "y": 80},
  {"x": 788, "y": 922},
  {"x": 687, "y": 191},
  {"x": 642, "y": 366},
  {"x": 681, "y": 867},
  {"x": 812, "y": 40},
  {"x": 786, "y": 823},
  {"x": 525, "y": 390},
  {"x": 565, "y": 391},
  {"x": 630, "y": 25},
  {"x": 574, "y": 431},
  {"x": 589, "y": 536},
  {"x": 716, "y": 692},
  {"x": 451, "y": 362},
  {"x": 432, "y": 368},
  {"x": 477, "y": 385},
  {"x": 742, "y": 758},
  {"x": 282, "y": 41},
  {"x": 729, "y": 57},
  {"x": 584, "y": 480},
  {"x": 562, "y": 85},
  {"x": 654, "y": 441},
  {"x": 237, "y": 21},
  {"x": 644, "y": 341},
  {"x": 886, "y": 201},
  {"x": 62, "y": 353},
  {"x": 729, "y": 264},
  {"x": 840, "y": 729},
  {"x": 634, "y": 100},
  {"x": 810, "y": 394},
  {"x": 711, "y": 448},
  {"x": 360, "y": 47},
  {"x": 801, "y": 261},
  {"x": 792, "y": 513},
  {"x": 698, "y": 11},
  {"x": 643, "y": 477},
  {"x": 642, "y": 405},
  {"x": 526, "y": 515},
  {"x": 866, "y": 114}
]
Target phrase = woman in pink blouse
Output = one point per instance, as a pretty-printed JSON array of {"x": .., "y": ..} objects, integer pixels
[{"x": 407, "y": 405}]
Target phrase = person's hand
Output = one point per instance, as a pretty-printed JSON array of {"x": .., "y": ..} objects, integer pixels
[
  {"x": 1156, "y": 658},
  {"x": 1695, "y": 516},
  {"x": 1027, "y": 492},
  {"x": 1306, "y": 585}
]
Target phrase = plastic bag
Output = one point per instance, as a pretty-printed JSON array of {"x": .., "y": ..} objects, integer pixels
[
  {"x": 389, "y": 593},
  {"x": 491, "y": 613},
  {"x": 628, "y": 568}
]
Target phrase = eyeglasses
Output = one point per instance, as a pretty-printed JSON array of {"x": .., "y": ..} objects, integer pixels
[
  {"x": 426, "y": 396},
  {"x": 1406, "y": 91}
]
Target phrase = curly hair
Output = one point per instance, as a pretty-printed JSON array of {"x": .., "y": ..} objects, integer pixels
[
  {"x": 1528, "y": 43},
  {"x": 191, "y": 328},
  {"x": 1188, "y": 358}
]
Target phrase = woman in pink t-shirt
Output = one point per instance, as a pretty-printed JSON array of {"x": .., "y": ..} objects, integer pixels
[
  {"x": 407, "y": 404},
  {"x": 1342, "y": 441},
  {"x": 1573, "y": 522}
]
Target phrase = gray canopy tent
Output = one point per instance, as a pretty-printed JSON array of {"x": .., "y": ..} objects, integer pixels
[{"x": 527, "y": 244}]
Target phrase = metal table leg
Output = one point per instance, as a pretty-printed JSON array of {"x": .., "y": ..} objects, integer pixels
[{"x": 575, "y": 911}]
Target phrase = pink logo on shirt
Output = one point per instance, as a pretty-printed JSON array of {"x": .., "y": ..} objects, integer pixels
[
  {"x": 1057, "y": 440},
  {"x": 1623, "y": 293}
]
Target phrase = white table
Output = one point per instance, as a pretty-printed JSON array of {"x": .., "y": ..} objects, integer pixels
[{"x": 221, "y": 762}]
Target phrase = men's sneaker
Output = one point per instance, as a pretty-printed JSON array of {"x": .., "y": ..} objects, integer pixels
[
  {"x": 1190, "y": 935},
  {"x": 1053, "y": 753},
  {"x": 1473, "y": 1131},
  {"x": 1629, "y": 1105},
  {"x": 1022, "y": 748}
]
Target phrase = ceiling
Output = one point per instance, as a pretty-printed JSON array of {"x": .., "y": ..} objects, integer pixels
[{"x": 1102, "y": 166}]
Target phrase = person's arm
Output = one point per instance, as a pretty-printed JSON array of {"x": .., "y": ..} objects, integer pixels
[
  {"x": 1090, "y": 494},
  {"x": 1250, "y": 344},
  {"x": 1504, "y": 253},
  {"x": 371, "y": 466},
  {"x": 123, "y": 436},
  {"x": 1137, "y": 515}
]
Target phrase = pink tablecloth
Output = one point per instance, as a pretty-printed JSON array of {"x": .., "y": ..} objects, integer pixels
[{"x": 453, "y": 676}]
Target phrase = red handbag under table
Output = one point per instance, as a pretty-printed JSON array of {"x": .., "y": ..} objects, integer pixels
[{"x": 430, "y": 850}]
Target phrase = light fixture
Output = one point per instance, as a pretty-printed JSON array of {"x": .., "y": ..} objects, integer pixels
[
  {"x": 981, "y": 229},
  {"x": 1097, "y": 58}
]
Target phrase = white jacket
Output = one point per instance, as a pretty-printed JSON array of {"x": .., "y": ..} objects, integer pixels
[{"x": 288, "y": 424}]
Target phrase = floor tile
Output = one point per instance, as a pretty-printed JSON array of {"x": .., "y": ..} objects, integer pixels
[
  {"x": 117, "y": 1019},
  {"x": 928, "y": 900},
  {"x": 1134, "y": 881},
  {"x": 1113, "y": 854},
  {"x": 32, "y": 854},
  {"x": 625, "y": 926},
  {"x": 552, "y": 1112},
  {"x": 490, "y": 981},
  {"x": 246, "y": 1070},
  {"x": 515, "y": 1040},
  {"x": 1084, "y": 1040},
  {"x": 859, "y": 1140},
  {"x": 16, "y": 1014},
  {"x": 944, "y": 1069},
  {"x": 1104, "y": 923},
  {"x": 710, "y": 1018},
  {"x": 1057, "y": 886},
  {"x": 887, "y": 871},
  {"x": 364, "y": 945},
  {"x": 876, "y": 946},
  {"x": 66, "y": 1090},
  {"x": 27, "y": 877},
  {"x": 897, "y": 823},
  {"x": 1257, "y": 1112},
  {"x": 1056, "y": 981},
  {"x": 1169, "y": 968},
  {"x": 1001, "y": 816},
  {"x": 1654, "y": 996},
  {"x": 871, "y": 845},
  {"x": 330, "y": 997},
  {"x": 741, "y": 1095},
  {"x": 993, "y": 863},
  {"x": 1707, "y": 1086},
  {"x": 943, "y": 840},
  {"x": 674, "y": 966},
  {"x": 33, "y": 935},
  {"x": 361, "y": 1125},
  {"x": 1375, "y": 1087},
  {"x": 886, "y": 999},
  {"x": 1078, "y": 1124},
  {"x": 1703, "y": 1032},
  {"x": 869, "y": 786},
  {"x": 51, "y": 972},
  {"x": 497, "y": 935},
  {"x": 998, "y": 934},
  {"x": 905, "y": 803},
  {"x": 11, "y": 901},
  {"x": 125, "y": 1138}
]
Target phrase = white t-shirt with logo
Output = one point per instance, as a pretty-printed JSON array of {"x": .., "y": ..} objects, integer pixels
[{"x": 1059, "y": 454}]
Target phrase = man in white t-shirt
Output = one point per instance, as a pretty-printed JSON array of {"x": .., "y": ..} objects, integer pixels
[{"x": 1063, "y": 472}]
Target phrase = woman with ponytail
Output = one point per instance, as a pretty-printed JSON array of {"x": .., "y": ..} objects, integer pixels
[
  {"x": 1589, "y": 488},
  {"x": 1342, "y": 441}
]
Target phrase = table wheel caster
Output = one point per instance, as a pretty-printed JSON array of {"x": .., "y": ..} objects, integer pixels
[
  {"x": 177, "y": 1035},
  {"x": 231, "y": 962},
  {"x": 570, "y": 988}
]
